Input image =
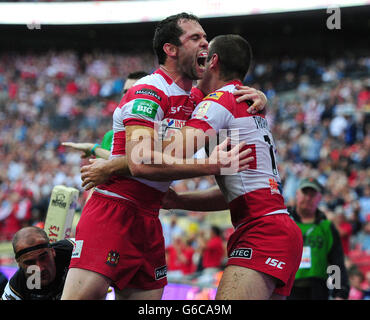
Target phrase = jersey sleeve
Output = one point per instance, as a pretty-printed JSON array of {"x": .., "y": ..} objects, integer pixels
[
  {"x": 143, "y": 105},
  {"x": 10, "y": 293},
  {"x": 210, "y": 116}
]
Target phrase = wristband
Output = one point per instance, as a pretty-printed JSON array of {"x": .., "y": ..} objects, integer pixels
[{"x": 93, "y": 149}]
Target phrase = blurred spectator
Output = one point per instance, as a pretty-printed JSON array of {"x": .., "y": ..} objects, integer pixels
[
  {"x": 356, "y": 279},
  {"x": 15, "y": 213},
  {"x": 364, "y": 202},
  {"x": 363, "y": 237},
  {"x": 366, "y": 287},
  {"x": 179, "y": 256},
  {"x": 171, "y": 230},
  {"x": 344, "y": 228},
  {"x": 213, "y": 251}
]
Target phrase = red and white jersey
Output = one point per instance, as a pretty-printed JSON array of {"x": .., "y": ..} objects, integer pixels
[
  {"x": 253, "y": 192},
  {"x": 155, "y": 101}
]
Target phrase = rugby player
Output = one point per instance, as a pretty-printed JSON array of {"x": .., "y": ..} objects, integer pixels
[
  {"x": 36, "y": 257},
  {"x": 265, "y": 249}
]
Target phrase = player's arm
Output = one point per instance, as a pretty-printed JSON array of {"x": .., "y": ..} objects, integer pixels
[
  {"x": 257, "y": 97},
  {"x": 99, "y": 171},
  {"x": 211, "y": 199},
  {"x": 243, "y": 93},
  {"x": 146, "y": 159},
  {"x": 88, "y": 149}
]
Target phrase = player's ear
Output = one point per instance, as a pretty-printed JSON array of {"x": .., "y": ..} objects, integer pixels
[
  {"x": 170, "y": 49},
  {"x": 214, "y": 60}
]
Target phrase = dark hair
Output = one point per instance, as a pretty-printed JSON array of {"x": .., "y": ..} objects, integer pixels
[
  {"x": 169, "y": 31},
  {"x": 216, "y": 230},
  {"x": 137, "y": 75},
  {"x": 234, "y": 53}
]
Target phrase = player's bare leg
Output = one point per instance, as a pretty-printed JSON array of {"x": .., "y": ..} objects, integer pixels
[
  {"x": 85, "y": 285},
  {"x": 239, "y": 283},
  {"x": 138, "y": 294}
]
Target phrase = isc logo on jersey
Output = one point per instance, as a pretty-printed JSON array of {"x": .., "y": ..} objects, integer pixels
[{"x": 145, "y": 107}]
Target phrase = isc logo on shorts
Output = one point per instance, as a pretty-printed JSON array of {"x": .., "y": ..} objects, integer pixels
[
  {"x": 245, "y": 253},
  {"x": 160, "y": 272}
]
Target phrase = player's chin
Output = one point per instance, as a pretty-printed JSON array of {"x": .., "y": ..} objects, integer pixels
[{"x": 200, "y": 70}]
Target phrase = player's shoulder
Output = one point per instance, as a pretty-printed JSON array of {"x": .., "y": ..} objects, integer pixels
[
  {"x": 222, "y": 95},
  {"x": 151, "y": 87},
  {"x": 14, "y": 287}
]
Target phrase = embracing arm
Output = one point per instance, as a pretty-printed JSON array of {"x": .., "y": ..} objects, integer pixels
[
  {"x": 211, "y": 199},
  {"x": 145, "y": 160}
]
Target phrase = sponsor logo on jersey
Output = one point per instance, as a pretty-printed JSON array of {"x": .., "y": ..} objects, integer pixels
[
  {"x": 77, "y": 248},
  {"x": 160, "y": 272},
  {"x": 214, "y": 95},
  {"x": 149, "y": 92},
  {"x": 145, "y": 107},
  {"x": 112, "y": 258},
  {"x": 274, "y": 186},
  {"x": 202, "y": 110},
  {"x": 175, "y": 123},
  {"x": 244, "y": 253}
]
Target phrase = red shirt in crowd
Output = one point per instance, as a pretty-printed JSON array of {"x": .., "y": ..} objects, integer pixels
[{"x": 213, "y": 253}]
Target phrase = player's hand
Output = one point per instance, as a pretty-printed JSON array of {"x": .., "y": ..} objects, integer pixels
[
  {"x": 170, "y": 199},
  {"x": 84, "y": 147},
  {"x": 247, "y": 93},
  {"x": 94, "y": 173},
  {"x": 233, "y": 161}
]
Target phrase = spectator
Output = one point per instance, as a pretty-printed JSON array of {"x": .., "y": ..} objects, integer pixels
[
  {"x": 344, "y": 228},
  {"x": 363, "y": 237},
  {"x": 364, "y": 202},
  {"x": 321, "y": 247},
  {"x": 171, "y": 230},
  {"x": 179, "y": 258},
  {"x": 213, "y": 251},
  {"x": 356, "y": 279},
  {"x": 366, "y": 288}
]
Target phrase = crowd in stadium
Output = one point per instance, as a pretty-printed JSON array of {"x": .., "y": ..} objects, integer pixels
[{"x": 318, "y": 111}]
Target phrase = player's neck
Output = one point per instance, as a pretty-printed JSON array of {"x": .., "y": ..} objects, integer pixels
[
  {"x": 211, "y": 84},
  {"x": 184, "y": 83}
]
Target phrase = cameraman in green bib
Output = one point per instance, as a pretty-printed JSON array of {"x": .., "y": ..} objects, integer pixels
[{"x": 321, "y": 248}]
